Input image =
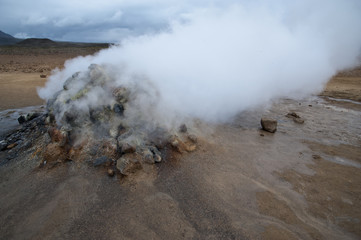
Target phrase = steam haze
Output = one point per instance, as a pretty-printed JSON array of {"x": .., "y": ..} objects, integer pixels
[{"x": 220, "y": 60}]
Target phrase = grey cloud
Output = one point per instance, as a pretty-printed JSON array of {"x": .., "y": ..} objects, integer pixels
[{"x": 114, "y": 19}]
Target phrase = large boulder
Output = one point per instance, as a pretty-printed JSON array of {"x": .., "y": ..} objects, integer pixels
[{"x": 269, "y": 125}]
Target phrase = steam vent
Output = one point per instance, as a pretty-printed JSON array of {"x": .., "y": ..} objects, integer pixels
[{"x": 93, "y": 120}]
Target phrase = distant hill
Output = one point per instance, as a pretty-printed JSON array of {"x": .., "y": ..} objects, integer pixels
[
  {"x": 37, "y": 42},
  {"x": 7, "y": 39}
]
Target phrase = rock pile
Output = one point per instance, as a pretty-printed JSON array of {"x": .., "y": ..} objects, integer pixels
[{"x": 89, "y": 120}]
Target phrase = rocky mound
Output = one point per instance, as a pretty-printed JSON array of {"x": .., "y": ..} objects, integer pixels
[{"x": 95, "y": 120}]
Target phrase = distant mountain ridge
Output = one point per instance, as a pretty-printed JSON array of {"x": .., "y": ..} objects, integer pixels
[
  {"x": 37, "y": 42},
  {"x": 7, "y": 39}
]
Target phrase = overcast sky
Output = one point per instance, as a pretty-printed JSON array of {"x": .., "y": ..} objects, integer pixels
[{"x": 93, "y": 20}]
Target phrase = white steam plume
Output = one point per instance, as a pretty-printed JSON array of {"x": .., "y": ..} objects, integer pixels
[{"x": 222, "y": 60}]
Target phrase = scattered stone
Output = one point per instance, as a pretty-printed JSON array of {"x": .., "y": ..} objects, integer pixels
[
  {"x": 296, "y": 118},
  {"x": 157, "y": 158},
  {"x": 292, "y": 115},
  {"x": 102, "y": 161},
  {"x": 10, "y": 146},
  {"x": 183, "y": 128},
  {"x": 316, "y": 156},
  {"x": 262, "y": 135},
  {"x": 110, "y": 172},
  {"x": 269, "y": 125},
  {"x": 43, "y": 75},
  {"x": 156, "y": 154},
  {"x": 3, "y": 145},
  {"x": 31, "y": 116},
  {"x": 22, "y": 119},
  {"x": 118, "y": 109},
  {"x": 148, "y": 156}
]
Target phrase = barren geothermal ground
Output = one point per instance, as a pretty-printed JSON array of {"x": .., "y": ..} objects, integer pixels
[{"x": 302, "y": 182}]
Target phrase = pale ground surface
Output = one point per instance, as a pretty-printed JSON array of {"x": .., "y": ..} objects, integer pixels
[{"x": 303, "y": 182}]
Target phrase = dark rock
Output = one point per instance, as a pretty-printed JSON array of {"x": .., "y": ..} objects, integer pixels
[
  {"x": 269, "y": 125},
  {"x": 127, "y": 148},
  {"x": 3, "y": 145},
  {"x": 292, "y": 115},
  {"x": 316, "y": 156},
  {"x": 183, "y": 128},
  {"x": 32, "y": 116},
  {"x": 154, "y": 150},
  {"x": 159, "y": 138},
  {"x": 22, "y": 119},
  {"x": 118, "y": 109},
  {"x": 296, "y": 118},
  {"x": 156, "y": 154},
  {"x": 43, "y": 75},
  {"x": 101, "y": 161}
]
